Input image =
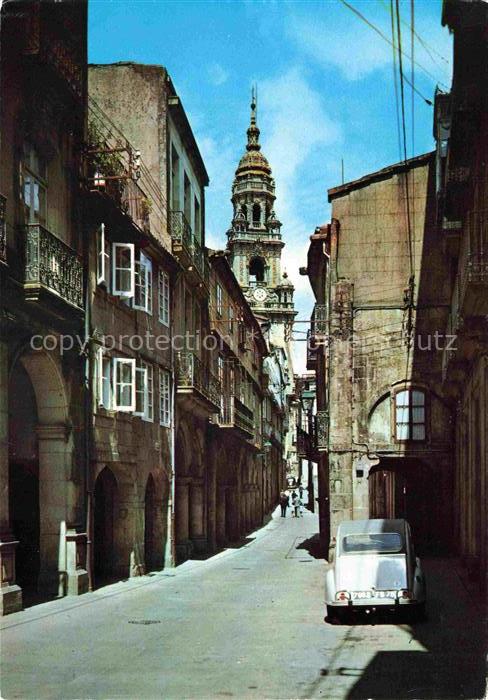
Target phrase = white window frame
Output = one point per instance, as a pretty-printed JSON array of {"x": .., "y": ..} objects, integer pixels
[
  {"x": 104, "y": 360},
  {"x": 143, "y": 281},
  {"x": 120, "y": 361},
  {"x": 219, "y": 299},
  {"x": 404, "y": 413},
  {"x": 141, "y": 372},
  {"x": 164, "y": 398},
  {"x": 146, "y": 371},
  {"x": 103, "y": 257},
  {"x": 164, "y": 297},
  {"x": 123, "y": 292}
]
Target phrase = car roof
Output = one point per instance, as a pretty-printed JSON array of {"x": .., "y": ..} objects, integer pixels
[{"x": 377, "y": 525}]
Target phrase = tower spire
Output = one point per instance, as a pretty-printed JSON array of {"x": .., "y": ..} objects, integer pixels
[{"x": 253, "y": 131}]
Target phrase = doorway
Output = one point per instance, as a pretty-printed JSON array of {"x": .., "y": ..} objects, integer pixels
[
  {"x": 402, "y": 488},
  {"x": 104, "y": 512},
  {"x": 149, "y": 525}
]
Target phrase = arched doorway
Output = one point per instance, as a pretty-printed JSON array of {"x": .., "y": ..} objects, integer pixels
[
  {"x": 24, "y": 508},
  {"x": 103, "y": 526},
  {"x": 149, "y": 524},
  {"x": 402, "y": 488}
]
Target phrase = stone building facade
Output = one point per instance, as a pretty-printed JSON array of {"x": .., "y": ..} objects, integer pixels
[
  {"x": 152, "y": 116},
  {"x": 381, "y": 295},
  {"x": 42, "y": 418},
  {"x": 249, "y": 423},
  {"x": 461, "y": 132}
]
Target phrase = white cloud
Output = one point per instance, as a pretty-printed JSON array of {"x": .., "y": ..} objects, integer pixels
[
  {"x": 350, "y": 47},
  {"x": 295, "y": 126},
  {"x": 356, "y": 50},
  {"x": 217, "y": 74}
]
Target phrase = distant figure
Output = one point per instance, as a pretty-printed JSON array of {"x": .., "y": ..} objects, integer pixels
[
  {"x": 294, "y": 504},
  {"x": 300, "y": 507},
  {"x": 300, "y": 490},
  {"x": 283, "y": 503}
]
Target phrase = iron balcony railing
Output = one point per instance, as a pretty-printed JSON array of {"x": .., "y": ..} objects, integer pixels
[
  {"x": 473, "y": 257},
  {"x": 243, "y": 417},
  {"x": 180, "y": 230},
  {"x": 184, "y": 240},
  {"x": 192, "y": 374},
  {"x": 320, "y": 320},
  {"x": 321, "y": 430},
  {"x": 115, "y": 168},
  {"x": 52, "y": 265}
]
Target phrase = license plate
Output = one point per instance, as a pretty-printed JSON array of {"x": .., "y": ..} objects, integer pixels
[
  {"x": 360, "y": 595},
  {"x": 386, "y": 594}
]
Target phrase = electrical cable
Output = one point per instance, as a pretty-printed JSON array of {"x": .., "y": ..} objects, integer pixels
[{"x": 385, "y": 38}]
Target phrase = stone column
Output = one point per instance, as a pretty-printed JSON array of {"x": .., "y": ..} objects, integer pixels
[
  {"x": 221, "y": 533},
  {"x": 56, "y": 505},
  {"x": 197, "y": 515},
  {"x": 10, "y": 593},
  {"x": 182, "y": 518},
  {"x": 212, "y": 505}
]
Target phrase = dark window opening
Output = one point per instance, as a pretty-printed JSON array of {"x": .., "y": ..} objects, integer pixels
[
  {"x": 256, "y": 271},
  {"x": 256, "y": 214}
]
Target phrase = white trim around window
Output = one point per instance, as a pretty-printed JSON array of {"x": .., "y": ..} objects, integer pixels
[
  {"x": 104, "y": 379},
  {"x": 103, "y": 257},
  {"x": 143, "y": 284},
  {"x": 164, "y": 297},
  {"x": 164, "y": 398},
  {"x": 124, "y": 373},
  {"x": 123, "y": 269}
]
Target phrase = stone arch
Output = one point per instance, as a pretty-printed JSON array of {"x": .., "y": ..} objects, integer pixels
[{"x": 58, "y": 495}]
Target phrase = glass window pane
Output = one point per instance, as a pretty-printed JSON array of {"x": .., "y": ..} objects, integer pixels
[
  {"x": 402, "y": 415},
  {"x": 402, "y": 398},
  {"x": 418, "y": 398},
  {"x": 402, "y": 431},
  {"x": 418, "y": 432},
  {"x": 418, "y": 414}
]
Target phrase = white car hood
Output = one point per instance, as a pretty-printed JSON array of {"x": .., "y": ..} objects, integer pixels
[{"x": 358, "y": 572}]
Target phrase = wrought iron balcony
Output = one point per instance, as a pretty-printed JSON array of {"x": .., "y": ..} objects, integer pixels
[
  {"x": 321, "y": 430},
  {"x": 243, "y": 417},
  {"x": 472, "y": 286},
  {"x": 187, "y": 248},
  {"x": 51, "y": 266},
  {"x": 193, "y": 376},
  {"x": 181, "y": 233},
  {"x": 320, "y": 319}
]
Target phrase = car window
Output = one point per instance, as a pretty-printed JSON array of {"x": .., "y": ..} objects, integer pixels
[{"x": 388, "y": 542}]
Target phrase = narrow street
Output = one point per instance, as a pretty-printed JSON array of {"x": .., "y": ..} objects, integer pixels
[{"x": 245, "y": 623}]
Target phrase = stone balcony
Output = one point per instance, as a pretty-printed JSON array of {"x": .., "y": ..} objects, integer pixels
[{"x": 53, "y": 273}]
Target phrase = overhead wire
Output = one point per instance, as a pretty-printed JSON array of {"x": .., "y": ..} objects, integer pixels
[
  {"x": 430, "y": 50},
  {"x": 388, "y": 41}
]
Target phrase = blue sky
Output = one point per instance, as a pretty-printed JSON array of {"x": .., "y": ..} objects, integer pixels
[{"x": 325, "y": 84}]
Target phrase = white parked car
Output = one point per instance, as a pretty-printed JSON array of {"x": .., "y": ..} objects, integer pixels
[{"x": 374, "y": 566}]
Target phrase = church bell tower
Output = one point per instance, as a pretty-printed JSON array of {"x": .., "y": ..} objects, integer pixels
[{"x": 255, "y": 242}]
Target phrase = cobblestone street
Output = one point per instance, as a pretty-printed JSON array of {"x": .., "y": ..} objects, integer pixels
[{"x": 245, "y": 623}]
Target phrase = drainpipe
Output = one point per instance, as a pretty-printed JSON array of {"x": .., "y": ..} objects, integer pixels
[
  {"x": 170, "y": 548},
  {"x": 88, "y": 418}
]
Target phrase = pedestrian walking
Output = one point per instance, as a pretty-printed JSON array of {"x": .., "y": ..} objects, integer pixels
[
  {"x": 283, "y": 503},
  {"x": 294, "y": 507},
  {"x": 300, "y": 507}
]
